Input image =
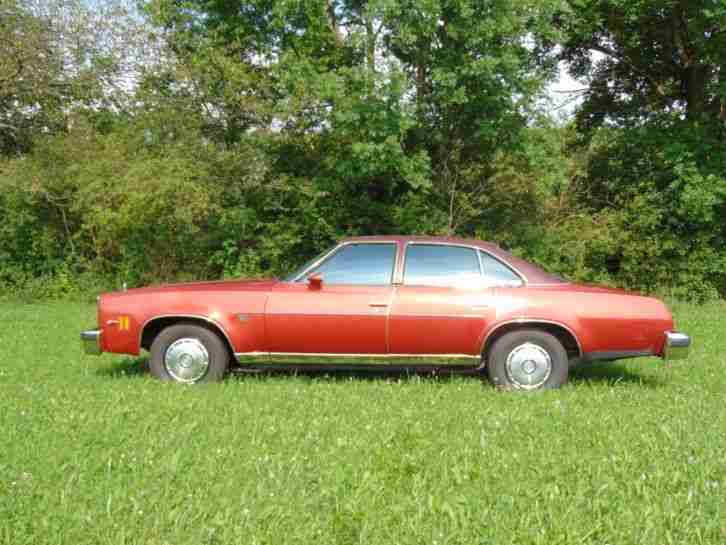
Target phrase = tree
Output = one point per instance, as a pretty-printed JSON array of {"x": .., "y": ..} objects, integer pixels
[
  {"x": 646, "y": 57},
  {"x": 32, "y": 88},
  {"x": 381, "y": 103},
  {"x": 61, "y": 57}
]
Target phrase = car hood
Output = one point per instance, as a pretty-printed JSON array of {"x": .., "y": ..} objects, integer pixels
[{"x": 209, "y": 286}]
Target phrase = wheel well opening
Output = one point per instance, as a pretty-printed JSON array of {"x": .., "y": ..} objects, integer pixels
[
  {"x": 568, "y": 340},
  {"x": 154, "y": 327}
]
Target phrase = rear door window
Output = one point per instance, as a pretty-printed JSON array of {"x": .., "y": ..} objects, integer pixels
[{"x": 441, "y": 265}]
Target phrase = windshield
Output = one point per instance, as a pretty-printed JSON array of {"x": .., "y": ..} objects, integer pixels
[{"x": 297, "y": 272}]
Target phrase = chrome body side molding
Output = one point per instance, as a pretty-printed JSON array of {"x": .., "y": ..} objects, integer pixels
[{"x": 294, "y": 358}]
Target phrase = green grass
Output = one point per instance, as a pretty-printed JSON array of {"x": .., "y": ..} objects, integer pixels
[{"x": 92, "y": 450}]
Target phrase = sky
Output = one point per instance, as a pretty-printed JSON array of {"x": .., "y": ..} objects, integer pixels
[{"x": 564, "y": 101}]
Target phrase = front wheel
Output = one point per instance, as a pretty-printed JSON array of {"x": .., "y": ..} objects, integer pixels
[
  {"x": 189, "y": 354},
  {"x": 528, "y": 359}
]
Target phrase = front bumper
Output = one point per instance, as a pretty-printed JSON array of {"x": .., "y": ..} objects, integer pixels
[
  {"x": 91, "y": 342},
  {"x": 677, "y": 346}
]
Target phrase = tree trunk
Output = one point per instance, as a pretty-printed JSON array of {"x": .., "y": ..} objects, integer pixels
[
  {"x": 370, "y": 53},
  {"x": 370, "y": 45},
  {"x": 694, "y": 87},
  {"x": 333, "y": 21}
]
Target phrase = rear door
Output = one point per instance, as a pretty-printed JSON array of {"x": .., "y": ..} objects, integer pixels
[{"x": 443, "y": 304}]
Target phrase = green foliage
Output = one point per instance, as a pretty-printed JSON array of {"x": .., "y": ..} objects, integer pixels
[
  {"x": 652, "y": 56},
  {"x": 62, "y": 57},
  {"x": 32, "y": 89},
  {"x": 653, "y": 202},
  {"x": 651, "y": 191},
  {"x": 255, "y": 134},
  {"x": 159, "y": 203},
  {"x": 95, "y": 450}
]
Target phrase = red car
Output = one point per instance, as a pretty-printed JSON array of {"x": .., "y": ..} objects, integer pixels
[{"x": 389, "y": 300}]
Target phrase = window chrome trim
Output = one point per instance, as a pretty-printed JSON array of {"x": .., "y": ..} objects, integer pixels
[
  {"x": 339, "y": 247},
  {"x": 481, "y": 264},
  {"x": 476, "y": 249}
]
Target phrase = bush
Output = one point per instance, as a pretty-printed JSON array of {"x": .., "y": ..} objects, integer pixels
[{"x": 152, "y": 200}]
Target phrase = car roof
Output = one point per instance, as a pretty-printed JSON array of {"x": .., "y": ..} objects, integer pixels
[{"x": 532, "y": 273}]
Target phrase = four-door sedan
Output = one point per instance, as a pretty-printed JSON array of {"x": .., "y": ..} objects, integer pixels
[{"x": 390, "y": 300}]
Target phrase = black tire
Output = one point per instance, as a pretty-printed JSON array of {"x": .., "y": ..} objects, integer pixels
[
  {"x": 216, "y": 349},
  {"x": 513, "y": 342}
]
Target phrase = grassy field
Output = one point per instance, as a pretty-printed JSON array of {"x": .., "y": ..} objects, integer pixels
[{"x": 93, "y": 450}]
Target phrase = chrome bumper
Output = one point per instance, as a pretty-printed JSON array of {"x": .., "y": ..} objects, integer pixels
[
  {"x": 676, "y": 346},
  {"x": 91, "y": 341}
]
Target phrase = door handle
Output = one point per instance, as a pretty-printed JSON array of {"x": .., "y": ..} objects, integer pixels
[{"x": 378, "y": 304}]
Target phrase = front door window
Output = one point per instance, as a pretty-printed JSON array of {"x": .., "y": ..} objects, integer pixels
[{"x": 362, "y": 264}]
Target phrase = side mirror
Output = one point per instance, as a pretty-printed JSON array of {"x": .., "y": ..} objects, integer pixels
[{"x": 315, "y": 282}]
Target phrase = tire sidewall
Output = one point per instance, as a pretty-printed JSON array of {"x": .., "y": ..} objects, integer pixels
[
  {"x": 218, "y": 352},
  {"x": 497, "y": 364}
]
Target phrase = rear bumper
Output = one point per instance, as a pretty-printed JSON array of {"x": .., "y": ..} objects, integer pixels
[
  {"x": 676, "y": 346},
  {"x": 91, "y": 342}
]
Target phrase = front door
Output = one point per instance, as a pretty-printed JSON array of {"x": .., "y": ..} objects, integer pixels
[{"x": 345, "y": 314}]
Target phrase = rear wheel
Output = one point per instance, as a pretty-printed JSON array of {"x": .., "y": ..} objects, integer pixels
[
  {"x": 528, "y": 359},
  {"x": 189, "y": 354}
]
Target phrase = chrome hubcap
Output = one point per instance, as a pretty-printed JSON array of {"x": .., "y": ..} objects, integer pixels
[
  {"x": 186, "y": 360},
  {"x": 528, "y": 366}
]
